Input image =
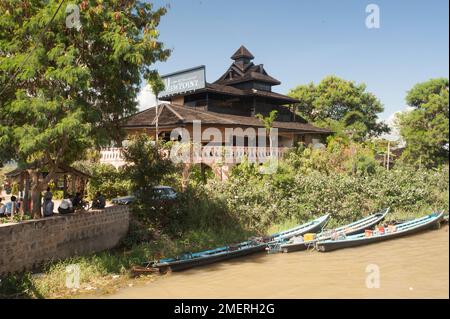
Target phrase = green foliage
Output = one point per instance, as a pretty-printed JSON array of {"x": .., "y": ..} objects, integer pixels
[
  {"x": 341, "y": 105},
  {"x": 146, "y": 168},
  {"x": 3, "y": 170},
  {"x": 259, "y": 201},
  {"x": 425, "y": 129},
  {"x": 16, "y": 218},
  {"x": 15, "y": 188},
  {"x": 343, "y": 179},
  {"x": 156, "y": 84},
  {"x": 198, "y": 210},
  {"x": 423, "y": 93},
  {"x": 77, "y": 85},
  {"x": 199, "y": 174},
  {"x": 340, "y": 155},
  {"x": 59, "y": 194},
  {"x": 15, "y": 286},
  {"x": 146, "y": 165},
  {"x": 107, "y": 180},
  {"x": 366, "y": 165},
  {"x": 268, "y": 120}
]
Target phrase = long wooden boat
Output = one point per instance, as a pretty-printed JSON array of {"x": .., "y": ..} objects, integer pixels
[
  {"x": 253, "y": 245},
  {"x": 392, "y": 232},
  {"x": 297, "y": 244}
]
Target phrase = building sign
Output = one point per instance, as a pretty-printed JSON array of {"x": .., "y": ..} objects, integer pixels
[{"x": 184, "y": 81}]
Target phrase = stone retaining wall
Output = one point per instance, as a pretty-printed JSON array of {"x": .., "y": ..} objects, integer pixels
[{"x": 27, "y": 244}]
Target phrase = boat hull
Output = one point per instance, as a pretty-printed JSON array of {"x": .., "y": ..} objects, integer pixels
[
  {"x": 340, "y": 244},
  {"x": 288, "y": 248},
  {"x": 182, "y": 264},
  {"x": 201, "y": 261}
]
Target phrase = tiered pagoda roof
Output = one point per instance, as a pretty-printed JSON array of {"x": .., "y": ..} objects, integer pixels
[{"x": 244, "y": 70}]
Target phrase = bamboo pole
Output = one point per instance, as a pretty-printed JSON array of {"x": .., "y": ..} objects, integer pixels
[{"x": 388, "y": 154}]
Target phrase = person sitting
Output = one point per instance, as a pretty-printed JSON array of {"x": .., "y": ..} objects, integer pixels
[
  {"x": 2, "y": 208},
  {"x": 77, "y": 201},
  {"x": 48, "y": 206},
  {"x": 99, "y": 201},
  {"x": 11, "y": 207},
  {"x": 66, "y": 206},
  {"x": 48, "y": 194}
]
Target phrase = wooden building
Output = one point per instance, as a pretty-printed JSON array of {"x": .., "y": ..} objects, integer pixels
[{"x": 231, "y": 102}]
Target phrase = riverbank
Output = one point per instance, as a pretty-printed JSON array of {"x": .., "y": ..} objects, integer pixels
[
  {"x": 106, "y": 273},
  {"x": 410, "y": 267}
]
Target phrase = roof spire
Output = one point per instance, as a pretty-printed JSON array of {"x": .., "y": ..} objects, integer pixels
[{"x": 242, "y": 52}]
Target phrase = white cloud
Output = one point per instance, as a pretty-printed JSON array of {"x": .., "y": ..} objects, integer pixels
[
  {"x": 394, "y": 135},
  {"x": 146, "y": 98}
]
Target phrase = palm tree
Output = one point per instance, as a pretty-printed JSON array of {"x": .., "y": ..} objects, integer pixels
[{"x": 267, "y": 121}]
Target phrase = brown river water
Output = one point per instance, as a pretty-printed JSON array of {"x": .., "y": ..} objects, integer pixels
[{"x": 409, "y": 267}]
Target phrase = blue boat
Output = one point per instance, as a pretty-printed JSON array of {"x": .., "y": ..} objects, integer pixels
[
  {"x": 394, "y": 231},
  {"x": 298, "y": 244},
  {"x": 250, "y": 246}
]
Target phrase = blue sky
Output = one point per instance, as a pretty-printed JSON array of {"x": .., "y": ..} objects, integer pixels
[{"x": 300, "y": 41}]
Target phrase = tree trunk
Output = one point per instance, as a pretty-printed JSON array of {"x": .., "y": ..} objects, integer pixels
[
  {"x": 36, "y": 196},
  {"x": 36, "y": 200},
  {"x": 26, "y": 196},
  {"x": 36, "y": 189}
]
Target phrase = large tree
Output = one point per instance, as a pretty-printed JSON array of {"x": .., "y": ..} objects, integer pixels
[
  {"x": 77, "y": 83},
  {"x": 425, "y": 127},
  {"x": 338, "y": 103}
]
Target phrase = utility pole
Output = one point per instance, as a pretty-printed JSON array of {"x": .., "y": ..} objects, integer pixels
[
  {"x": 157, "y": 86},
  {"x": 157, "y": 117},
  {"x": 388, "y": 154}
]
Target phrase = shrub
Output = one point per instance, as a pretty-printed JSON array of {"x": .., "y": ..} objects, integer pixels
[
  {"x": 107, "y": 180},
  {"x": 259, "y": 201}
]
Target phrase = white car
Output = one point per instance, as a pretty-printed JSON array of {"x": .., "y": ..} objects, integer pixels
[{"x": 159, "y": 193}]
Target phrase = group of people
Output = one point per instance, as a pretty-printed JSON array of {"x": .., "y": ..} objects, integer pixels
[{"x": 70, "y": 203}]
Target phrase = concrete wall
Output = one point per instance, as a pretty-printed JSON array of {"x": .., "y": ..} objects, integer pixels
[{"x": 27, "y": 244}]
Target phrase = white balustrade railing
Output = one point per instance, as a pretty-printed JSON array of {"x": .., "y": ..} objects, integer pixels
[
  {"x": 112, "y": 155},
  {"x": 208, "y": 154}
]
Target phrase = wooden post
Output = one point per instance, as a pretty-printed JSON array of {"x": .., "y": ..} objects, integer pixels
[
  {"x": 73, "y": 185},
  {"x": 388, "y": 154},
  {"x": 157, "y": 117}
]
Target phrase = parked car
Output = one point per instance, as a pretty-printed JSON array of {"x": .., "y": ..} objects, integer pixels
[
  {"x": 7, "y": 187},
  {"x": 124, "y": 200},
  {"x": 160, "y": 193}
]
